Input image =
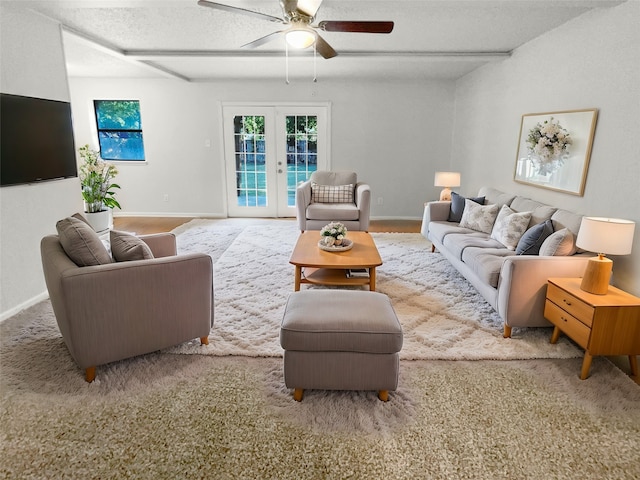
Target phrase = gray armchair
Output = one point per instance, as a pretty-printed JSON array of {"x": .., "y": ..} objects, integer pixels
[
  {"x": 315, "y": 213},
  {"x": 114, "y": 311}
]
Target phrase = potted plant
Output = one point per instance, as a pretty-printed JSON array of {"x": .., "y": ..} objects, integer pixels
[{"x": 98, "y": 192}]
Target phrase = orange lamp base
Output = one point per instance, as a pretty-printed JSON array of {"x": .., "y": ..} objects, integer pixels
[{"x": 597, "y": 275}]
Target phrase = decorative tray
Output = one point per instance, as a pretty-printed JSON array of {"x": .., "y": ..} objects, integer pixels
[{"x": 346, "y": 245}]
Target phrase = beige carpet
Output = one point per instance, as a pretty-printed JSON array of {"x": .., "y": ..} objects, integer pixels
[{"x": 194, "y": 416}]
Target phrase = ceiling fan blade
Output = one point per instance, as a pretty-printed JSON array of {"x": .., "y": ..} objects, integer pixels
[
  {"x": 356, "y": 27},
  {"x": 309, "y": 7},
  {"x": 243, "y": 11},
  {"x": 324, "y": 49},
  {"x": 261, "y": 40}
]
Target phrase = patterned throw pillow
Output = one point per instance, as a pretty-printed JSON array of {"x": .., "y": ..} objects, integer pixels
[
  {"x": 457, "y": 206},
  {"x": 478, "y": 217},
  {"x": 509, "y": 226},
  {"x": 331, "y": 193}
]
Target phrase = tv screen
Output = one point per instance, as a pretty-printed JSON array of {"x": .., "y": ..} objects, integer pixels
[{"x": 36, "y": 140}]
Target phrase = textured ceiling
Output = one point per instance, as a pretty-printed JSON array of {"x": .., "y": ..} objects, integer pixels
[{"x": 431, "y": 39}]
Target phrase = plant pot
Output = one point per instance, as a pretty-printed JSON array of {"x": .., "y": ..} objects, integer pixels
[{"x": 100, "y": 221}]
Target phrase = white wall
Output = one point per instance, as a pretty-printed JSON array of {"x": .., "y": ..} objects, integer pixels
[
  {"x": 32, "y": 65},
  {"x": 590, "y": 62},
  {"x": 394, "y": 135}
]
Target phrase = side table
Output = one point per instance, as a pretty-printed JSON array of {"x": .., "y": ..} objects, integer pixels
[{"x": 601, "y": 324}]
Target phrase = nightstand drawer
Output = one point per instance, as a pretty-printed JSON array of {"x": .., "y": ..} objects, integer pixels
[
  {"x": 569, "y": 325},
  {"x": 571, "y": 304}
]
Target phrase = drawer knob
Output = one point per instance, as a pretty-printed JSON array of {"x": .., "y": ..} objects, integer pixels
[
  {"x": 568, "y": 303},
  {"x": 563, "y": 319}
]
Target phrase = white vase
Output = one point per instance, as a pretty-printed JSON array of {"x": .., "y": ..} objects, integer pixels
[{"x": 99, "y": 221}]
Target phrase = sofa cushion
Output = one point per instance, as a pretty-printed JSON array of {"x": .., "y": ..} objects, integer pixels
[
  {"x": 486, "y": 263},
  {"x": 478, "y": 217},
  {"x": 457, "y": 242},
  {"x": 559, "y": 243},
  {"x": 494, "y": 196},
  {"x": 331, "y": 193},
  {"x": 126, "y": 247},
  {"x": 457, "y": 206},
  {"x": 539, "y": 211},
  {"x": 439, "y": 230},
  {"x": 81, "y": 243},
  {"x": 533, "y": 238},
  {"x": 566, "y": 219},
  {"x": 509, "y": 226},
  {"x": 333, "y": 211}
]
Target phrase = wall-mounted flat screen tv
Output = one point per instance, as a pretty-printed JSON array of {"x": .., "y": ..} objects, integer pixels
[{"x": 36, "y": 141}]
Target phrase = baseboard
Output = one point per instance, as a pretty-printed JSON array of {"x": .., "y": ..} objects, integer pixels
[
  {"x": 170, "y": 215},
  {"x": 394, "y": 218},
  {"x": 17, "y": 309}
]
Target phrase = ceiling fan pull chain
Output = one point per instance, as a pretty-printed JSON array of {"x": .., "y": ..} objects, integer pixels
[
  {"x": 315, "y": 73},
  {"x": 286, "y": 61}
]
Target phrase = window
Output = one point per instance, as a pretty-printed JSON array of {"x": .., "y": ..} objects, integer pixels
[{"x": 119, "y": 129}]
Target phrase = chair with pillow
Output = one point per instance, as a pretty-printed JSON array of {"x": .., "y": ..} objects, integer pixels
[
  {"x": 333, "y": 197},
  {"x": 140, "y": 298}
]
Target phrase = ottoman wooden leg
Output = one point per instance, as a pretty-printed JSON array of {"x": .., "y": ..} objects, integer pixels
[
  {"x": 383, "y": 395},
  {"x": 297, "y": 394}
]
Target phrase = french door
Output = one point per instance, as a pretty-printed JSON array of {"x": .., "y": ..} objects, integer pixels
[{"x": 269, "y": 150}]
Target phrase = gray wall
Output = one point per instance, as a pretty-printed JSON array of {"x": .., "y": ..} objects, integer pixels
[
  {"x": 590, "y": 62},
  {"x": 32, "y": 65},
  {"x": 394, "y": 135}
]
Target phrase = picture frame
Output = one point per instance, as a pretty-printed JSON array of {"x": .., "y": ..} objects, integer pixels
[{"x": 560, "y": 160}]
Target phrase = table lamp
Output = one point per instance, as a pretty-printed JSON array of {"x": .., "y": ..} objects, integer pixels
[
  {"x": 612, "y": 236},
  {"x": 447, "y": 180}
]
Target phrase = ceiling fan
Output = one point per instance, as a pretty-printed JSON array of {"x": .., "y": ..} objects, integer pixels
[{"x": 299, "y": 15}]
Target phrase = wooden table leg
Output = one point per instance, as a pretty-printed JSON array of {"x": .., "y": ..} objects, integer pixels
[
  {"x": 372, "y": 279},
  {"x": 586, "y": 365},
  {"x": 555, "y": 335},
  {"x": 296, "y": 282}
]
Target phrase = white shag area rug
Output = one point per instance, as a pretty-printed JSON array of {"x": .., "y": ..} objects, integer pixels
[{"x": 442, "y": 315}]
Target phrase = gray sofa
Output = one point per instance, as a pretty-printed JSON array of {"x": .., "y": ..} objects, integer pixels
[{"x": 513, "y": 284}]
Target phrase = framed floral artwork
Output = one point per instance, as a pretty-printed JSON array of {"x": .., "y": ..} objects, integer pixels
[{"x": 554, "y": 149}]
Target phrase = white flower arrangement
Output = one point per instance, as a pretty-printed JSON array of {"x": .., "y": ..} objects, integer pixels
[
  {"x": 336, "y": 231},
  {"x": 548, "y": 144},
  {"x": 96, "y": 181}
]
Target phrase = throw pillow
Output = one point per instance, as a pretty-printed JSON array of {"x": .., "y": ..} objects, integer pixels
[
  {"x": 126, "y": 247},
  {"x": 509, "y": 226},
  {"x": 478, "y": 217},
  {"x": 331, "y": 193},
  {"x": 81, "y": 244},
  {"x": 457, "y": 206},
  {"x": 559, "y": 243},
  {"x": 533, "y": 238}
]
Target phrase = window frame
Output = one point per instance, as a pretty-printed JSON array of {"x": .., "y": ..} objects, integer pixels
[{"x": 96, "y": 103}]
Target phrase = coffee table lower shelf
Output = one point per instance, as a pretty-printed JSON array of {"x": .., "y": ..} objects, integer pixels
[{"x": 334, "y": 276}]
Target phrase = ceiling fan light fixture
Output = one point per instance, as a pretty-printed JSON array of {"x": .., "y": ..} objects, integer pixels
[{"x": 300, "y": 37}]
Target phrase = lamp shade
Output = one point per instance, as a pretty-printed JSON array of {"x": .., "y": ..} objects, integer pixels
[
  {"x": 447, "y": 179},
  {"x": 612, "y": 236}
]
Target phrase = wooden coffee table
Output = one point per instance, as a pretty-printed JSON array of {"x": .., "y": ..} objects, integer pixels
[{"x": 319, "y": 267}]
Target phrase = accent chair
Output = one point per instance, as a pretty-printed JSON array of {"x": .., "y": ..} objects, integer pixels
[
  {"x": 115, "y": 310},
  {"x": 333, "y": 197}
]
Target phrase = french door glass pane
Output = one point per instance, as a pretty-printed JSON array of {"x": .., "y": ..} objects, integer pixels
[
  {"x": 251, "y": 178},
  {"x": 302, "y": 149}
]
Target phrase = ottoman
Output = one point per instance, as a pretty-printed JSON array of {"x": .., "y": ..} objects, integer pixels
[{"x": 340, "y": 340}]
